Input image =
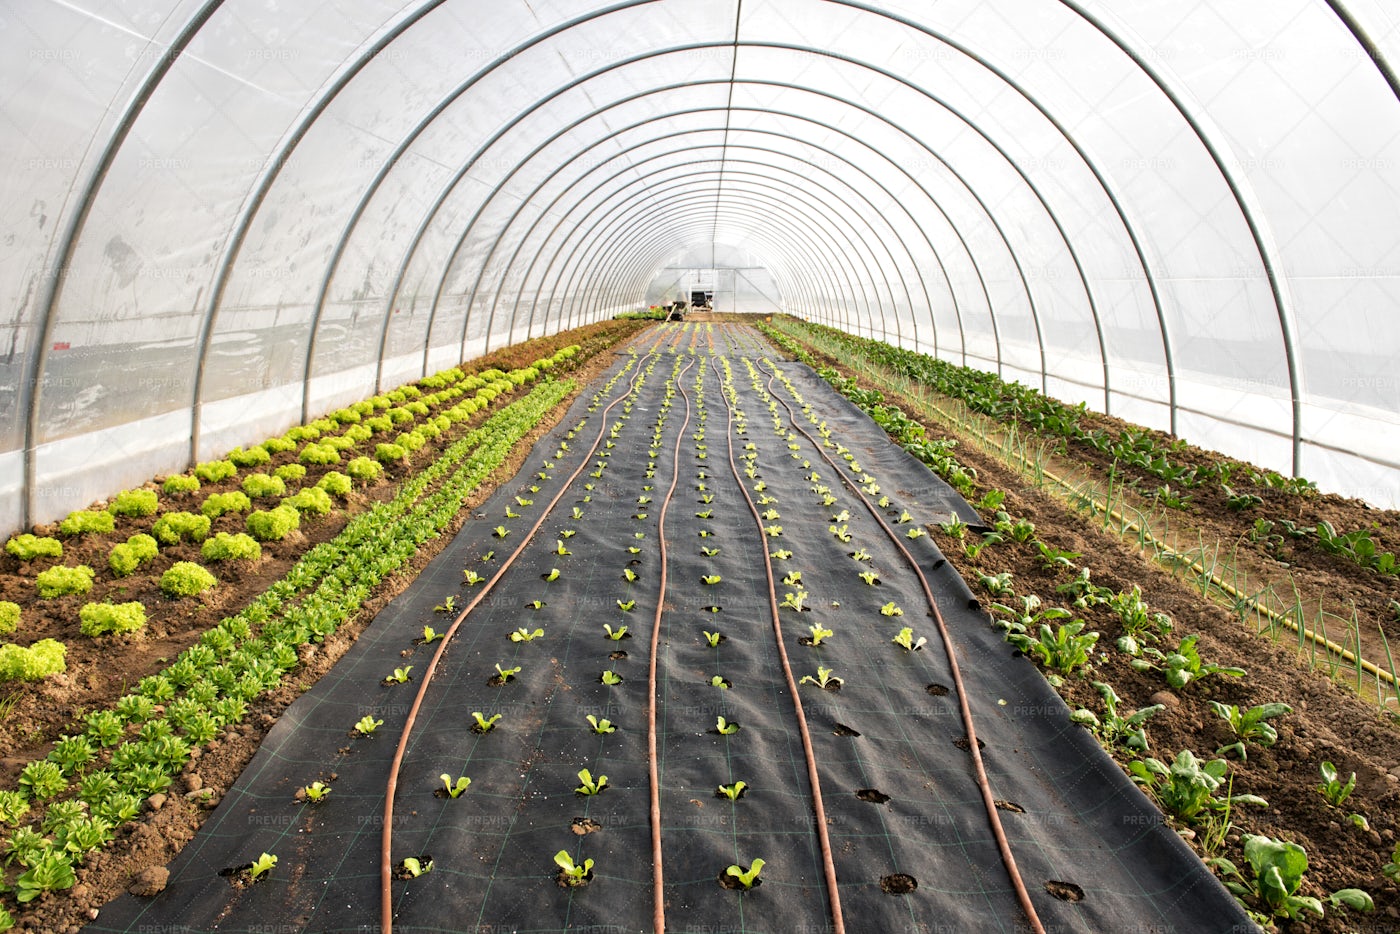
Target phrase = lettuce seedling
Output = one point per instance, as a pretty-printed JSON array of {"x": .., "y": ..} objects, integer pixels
[
  {"x": 525, "y": 635},
  {"x": 819, "y": 633},
  {"x": 49, "y": 871},
  {"x": 367, "y": 725},
  {"x": 483, "y": 724},
  {"x": 560, "y": 550},
  {"x": 620, "y": 632},
  {"x": 709, "y": 552},
  {"x": 587, "y": 786},
  {"x": 316, "y": 792},
  {"x": 725, "y": 727},
  {"x": 455, "y": 789},
  {"x": 552, "y": 576},
  {"x": 782, "y": 554},
  {"x": 719, "y": 682},
  {"x": 431, "y": 635},
  {"x": 446, "y": 606},
  {"x": 870, "y": 577},
  {"x": 500, "y": 531},
  {"x": 610, "y": 678},
  {"x": 795, "y": 600},
  {"x": 824, "y": 677},
  {"x": 415, "y": 868},
  {"x": 399, "y": 676},
  {"x": 505, "y": 674},
  {"x": 261, "y": 866},
  {"x": 571, "y": 873},
  {"x": 535, "y": 605},
  {"x": 601, "y": 727},
  {"x": 733, "y": 791},
  {"x": 891, "y": 609},
  {"x": 793, "y": 579},
  {"x": 914, "y": 533},
  {"x": 905, "y": 640},
  {"x": 710, "y": 579},
  {"x": 472, "y": 578},
  {"x": 747, "y": 879},
  {"x": 860, "y": 554},
  {"x": 626, "y": 606}
]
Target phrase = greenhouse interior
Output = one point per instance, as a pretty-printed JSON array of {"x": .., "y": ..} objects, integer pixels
[{"x": 435, "y": 435}]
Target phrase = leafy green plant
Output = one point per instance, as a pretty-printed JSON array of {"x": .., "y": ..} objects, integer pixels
[
  {"x": 748, "y": 879},
  {"x": 615, "y": 634},
  {"x": 316, "y": 792},
  {"x": 906, "y": 641},
  {"x": 891, "y": 609},
  {"x": 504, "y": 675},
  {"x": 1276, "y": 875},
  {"x": 264, "y": 486},
  {"x": 27, "y": 547},
  {"x": 214, "y": 471},
  {"x": 186, "y": 579},
  {"x": 1113, "y": 729},
  {"x": 600, "y": 726},
  {"x": 399, "y": 676},
  {"x": 273, "y": 525},
  {"x": 229, "y": 547},
  {"x": 1086, "y": 594},
  {"x": 626, "y": 606},
  {"x": 1391, "y": 870},
  {"x": 13, "y": 807},
  {"x": 216, "y": 505},
  {"x": 175, "y": 527},
  {"x": 454, "y": 789},
  {"x": 610, "y": 678},
  {"x": 732, "y": 791},
  {"x": 1187, "y": 788},
  {"x": 587, "y": 785},
  {"x": 1333, "y": 788},
  {"x": 1249, "y": 725},
  {"x": 1063, "y": 649},
  {"x": 573, "y": 874},
  {"x": 725, "y": 727},
  {"x": 42, "y": 779},
  {"x": 823, "y": 679},
  {"x": 431, "y": 635},
  {"x": 49, "y": 871},
  {"x": 1182, "y": 666},
  {"x": 413, "y": 867},
  {"x": 712, "y": 639},
  {"x": 84, "y": 522},
  {"x": 819, "y": 632},
  {"x": 448, "y": 605},
  {"x": 180, "y": 485},
  {"x": 363, "y": 469},
  {"x": 366, "y": 725},
  {"x": 524, "y": 634},
  {"x": 484, "y": 724},
  {"x": 101, "y": 618},
  {"x": 261, "y": 866},
  {"x": 63, "y": 581}
]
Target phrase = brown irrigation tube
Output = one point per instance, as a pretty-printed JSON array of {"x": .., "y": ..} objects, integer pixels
[
  {"x": 838, "y": 924},
  {"x": 658, "y": 898},
  {"x": 387, "y": 834},
  {"x": 980, "y": 773}
]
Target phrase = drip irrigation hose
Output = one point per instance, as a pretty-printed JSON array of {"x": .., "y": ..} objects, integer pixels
[
  {"x": 386, "y": 835},
  {"x": 824, "y": 841},
  {"x": 658, "y": 898},
  {"x": 979, "y": 771}
]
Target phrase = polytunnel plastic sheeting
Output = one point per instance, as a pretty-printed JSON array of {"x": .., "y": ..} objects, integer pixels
[{"x": 224, "y": 217}]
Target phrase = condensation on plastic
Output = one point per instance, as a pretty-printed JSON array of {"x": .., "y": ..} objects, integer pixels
[{"x": 314, "y": 203}]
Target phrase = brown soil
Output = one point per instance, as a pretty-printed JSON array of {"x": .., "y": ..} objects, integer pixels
[
  {"x": 1328, "y": 722},
  {"x": 101, "y": 670}
]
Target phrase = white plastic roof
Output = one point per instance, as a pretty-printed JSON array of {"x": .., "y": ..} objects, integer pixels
[{"x": 223, "y": 217}]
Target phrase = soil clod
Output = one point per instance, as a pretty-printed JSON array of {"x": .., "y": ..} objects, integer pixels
[
  {"x": 898, "y": 884},
  {"x": 1064, "y": 891}
]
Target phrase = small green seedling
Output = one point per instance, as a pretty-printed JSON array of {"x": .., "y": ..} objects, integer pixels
[
  {"x": 1333, "y": 788},
  {"x": 782, "y": 554},
  {"x": 559, "y": 548},
  {"x": 870, "y": 577},
  {"x": 488, "y": 556},
  {"x": 367, "y": 725},
  {"x": 431, "y": 635},
  {"x": 500, "y": 531},
  {"x": 587, "y": 786},
  {"x": 615, "y": 634},
  {"x": 819, "y": 633},
  {"x": 261, "y": 866},
  {"x": 709, "y": 552},
  {"x": 905, "y": 640},
  {"x": 535, "y": 605},
  {"x": 732, "y": 792},
  {"x": 724, "y": 727},
  {"x": 483, "y": 725},
  {"x": 712, "y": 638},
  {"x": 719, "y": 682},
  {"x": 602, "y": 726},
  {"x": 793, "y": 579},
  {"x": 415, "y": 868},
  {"x": 399, "y": 676},
  {"x": 316, "y": 792},
  {"x": 747, "y": 879},
  {"x": 571, "y": 873},
  {"x": 505, "y": 674},
  {"x": 626, "y": 606},
  {"x": 891, "y": 609},
  {"x": 823, "y": 678},
  {"x": 633, "y": 550},
  {"x": 472, "y": 577},
  {"x": 611, "y": 678},
  {"x": 710, "y": 579},
  {"x": 630, "y": 575},
  {"x": 860, "y": 554},
  {"x": 525, "y": 635},
  {"x": 1247, "y": 725},
  {"x": 447, "y": 606},
  {"x": 566, "y": 533},
  {"x": 552, "y": 576},
  {"x": 455, "y": 789}
]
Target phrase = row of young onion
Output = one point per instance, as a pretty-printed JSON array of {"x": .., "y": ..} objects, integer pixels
[{"x": 73, "y": 800}]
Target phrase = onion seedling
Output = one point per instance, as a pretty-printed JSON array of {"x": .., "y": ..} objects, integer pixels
[
  {"x": 484, "y": 725},
  {"x": 823, "y": 679},
  {"x": 525, "y": 635},
  {"x": 601, "y": 727},
  {"x": 616, "y": 634},
  {"x": 587, "y": 786},
  {"x": 455, "y": 789},
  {"x": 610, "y": 678},
  {"x": 725, "y": 727},
  {"x": 733, "y": 791},
  {"x": 367, "y": 725},
  {"x": 572, "y": 873},
  {"x": 747, "y": 879},
  {"x": 905, "y": 640}
]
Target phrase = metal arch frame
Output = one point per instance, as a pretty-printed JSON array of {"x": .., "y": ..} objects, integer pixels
[
  {"x": 579, "y": 80},
  {"x": 610, "y": 243},
  {"x": 898, "y": 271},
  {"x": 1368, "y": 45},
  {"x": 953, "y": 227},
  {"x": 31, "y": 390},
  {"x": 747, "y": 175},
  {"x": 525, "y": 238}
]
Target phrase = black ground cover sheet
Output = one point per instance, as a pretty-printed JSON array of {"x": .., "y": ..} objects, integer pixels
[{"x": 899, "y": 794}]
